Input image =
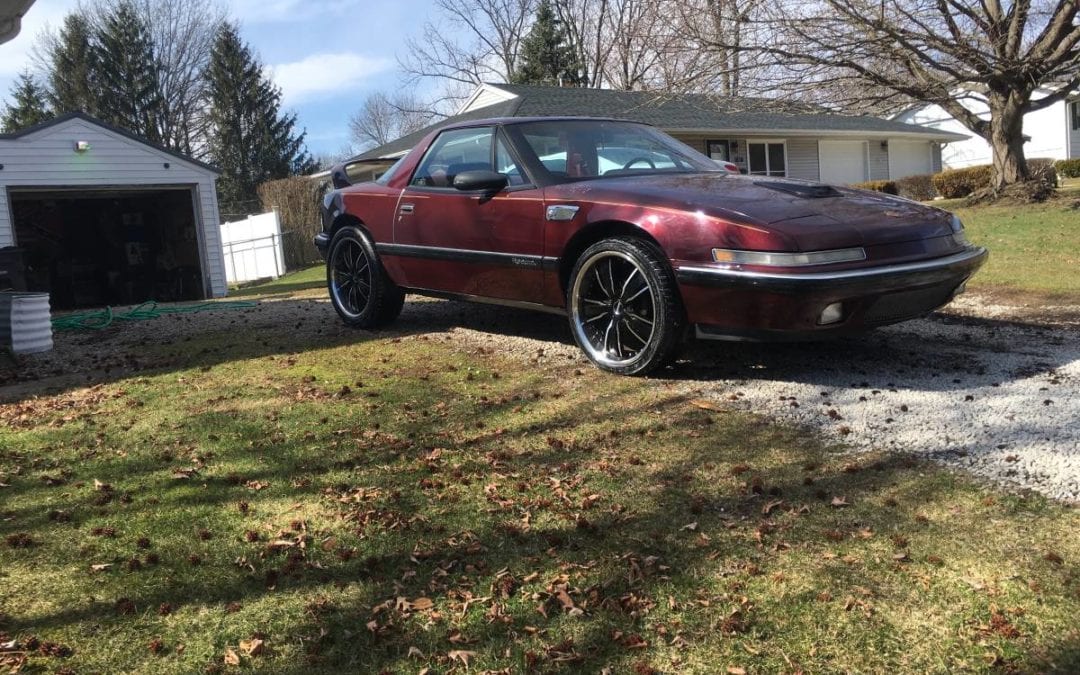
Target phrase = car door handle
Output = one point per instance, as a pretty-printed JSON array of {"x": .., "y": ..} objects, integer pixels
[{"x": 406, "y": 208}]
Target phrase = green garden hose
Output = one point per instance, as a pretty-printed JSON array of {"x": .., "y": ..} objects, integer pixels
[{"x": 104, "y": 318}]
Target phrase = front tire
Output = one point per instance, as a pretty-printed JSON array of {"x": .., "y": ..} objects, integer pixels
[
  {"x": 360, "y": 290},
  {"x": 624, "y": 306}
]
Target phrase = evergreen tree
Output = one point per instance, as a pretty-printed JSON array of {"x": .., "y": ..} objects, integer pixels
[
  {"x": 546, "y": 55},
  {"x": 251, "y": 140},
  {"x": 126, "y": 73},
  {"x": 28, "y": 105},
  {"x": 71, "y": 67}
]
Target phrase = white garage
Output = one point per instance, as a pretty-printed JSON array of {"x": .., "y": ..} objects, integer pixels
[
  {"x": 910, "y": 158},
  {"x": 100, "y": 217},
  {"x": 843, "y": 162}
]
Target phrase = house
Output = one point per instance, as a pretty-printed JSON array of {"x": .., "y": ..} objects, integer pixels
[
  {"x": 1052, "y": 133},
  {"x": 766, "y": 137},
  {"x": 103, "y": 217}
]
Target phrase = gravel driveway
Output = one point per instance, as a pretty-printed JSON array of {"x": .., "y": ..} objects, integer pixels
[{"x": 995, "y": 397}]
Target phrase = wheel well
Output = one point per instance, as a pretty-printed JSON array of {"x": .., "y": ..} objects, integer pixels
[
  {"x": 589, "y": 236},
  {"x": 348, "y": 220}
]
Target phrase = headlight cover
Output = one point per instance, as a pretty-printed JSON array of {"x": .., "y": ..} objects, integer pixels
[{"x": 772, "y": 259}]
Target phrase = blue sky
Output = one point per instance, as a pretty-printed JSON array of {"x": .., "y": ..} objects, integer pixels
[{"x": 326, "y": 55}]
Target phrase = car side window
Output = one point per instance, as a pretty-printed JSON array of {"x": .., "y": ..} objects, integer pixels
[
  {"x": 506, "y": 165},
  {"x": 452, "y": 152}
]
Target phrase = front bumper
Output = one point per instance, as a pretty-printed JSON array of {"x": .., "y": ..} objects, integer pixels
[
  {"x": 322, "y": 242},
  {"x": 741, "y": 303}
]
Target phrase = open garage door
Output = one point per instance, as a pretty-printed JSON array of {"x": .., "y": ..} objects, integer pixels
[
  {"x": 89, "y": 248},
  {"x": 842, "y": 162}
]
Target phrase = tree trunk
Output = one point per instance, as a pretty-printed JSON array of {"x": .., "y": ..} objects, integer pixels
[{"x": 1007, "y": 140}]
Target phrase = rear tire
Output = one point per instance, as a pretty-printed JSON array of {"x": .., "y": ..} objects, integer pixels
[
  {"x": 360, "y": 290},
  {"x": 624, "y": 306}
]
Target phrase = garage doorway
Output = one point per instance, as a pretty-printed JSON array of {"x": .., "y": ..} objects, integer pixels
[
  {"x": 90, "y": 248},
  {"x": 842, "y": 162}
]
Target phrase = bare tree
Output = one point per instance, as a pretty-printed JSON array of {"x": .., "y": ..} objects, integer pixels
[
  {"x": 584, "y": 22},
  {"x": 492, "y": 32},
  {"x": 384, "y": 118},
  {"x": 1012, "y": 58}
]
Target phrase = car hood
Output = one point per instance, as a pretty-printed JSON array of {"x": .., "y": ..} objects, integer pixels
[{"x": 811, "y": 215}]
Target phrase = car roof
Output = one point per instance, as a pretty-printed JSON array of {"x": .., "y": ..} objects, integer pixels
[{"x": 507, "y": 121}]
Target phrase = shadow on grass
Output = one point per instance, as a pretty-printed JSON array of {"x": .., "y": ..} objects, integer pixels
[{"x": 627, "y": 563}]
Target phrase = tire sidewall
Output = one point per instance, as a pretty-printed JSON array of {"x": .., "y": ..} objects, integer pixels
[
  {"x": 368, "y": 317},
  {"x": 668, "y": 313}
]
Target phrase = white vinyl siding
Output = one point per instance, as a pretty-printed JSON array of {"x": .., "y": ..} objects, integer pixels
[
  {"x": 802, "y": 154},
  {"x": 1074, "y": 129},
  {"x": 47, "y": 159}
]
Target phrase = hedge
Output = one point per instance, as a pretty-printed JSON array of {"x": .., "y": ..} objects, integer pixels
[
  {"x": 886, "y": 186},
  {"x": 955, "y": 183},
  {"x": 920, "y": 188},
  {"x": 1069, "y": 168},
  {"x": 297, "y": 202}
]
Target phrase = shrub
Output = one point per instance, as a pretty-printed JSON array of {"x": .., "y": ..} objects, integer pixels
[
  {"x": 886, "y": 186},
  {"x": 1042, "y": 171},
  {"x": 297, "y": 202},
  {"x": 1069, "y": 168},
  {"x": 955, "y": 183},
  {"x": 920, "y": 188}
]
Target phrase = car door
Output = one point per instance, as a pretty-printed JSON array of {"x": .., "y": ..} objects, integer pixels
[{"x": 470, "y": 243}]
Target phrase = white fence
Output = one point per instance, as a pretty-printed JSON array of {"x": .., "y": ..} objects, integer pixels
[{"x": 253, "y": 248}]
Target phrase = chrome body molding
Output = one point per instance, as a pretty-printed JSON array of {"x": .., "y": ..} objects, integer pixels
[{"x": 963, "y": 263}]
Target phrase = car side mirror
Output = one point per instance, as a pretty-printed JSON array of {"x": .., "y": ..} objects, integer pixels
[
  {"x": 339, "y": 177},
  {"x": 480, "y": 180}
]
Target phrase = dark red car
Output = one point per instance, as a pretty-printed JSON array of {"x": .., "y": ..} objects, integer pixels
[{"x": 635, "y": 237}]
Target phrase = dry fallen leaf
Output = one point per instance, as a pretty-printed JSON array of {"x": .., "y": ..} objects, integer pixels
[
  {"x": 231, "y": 658},
  {"x": 736, "y": 670},
  {"x": 690, "y": 528},
  {"x": 100, "y": 567},
  {"x": 461, "y": 655},
  {"x": 422, "y": 603},
  {"x": 768, "y": 508},
  {"x": 706, "y": 404},
  {"x": 252, "y": 647},
  {"x": 840, "y": 501}
]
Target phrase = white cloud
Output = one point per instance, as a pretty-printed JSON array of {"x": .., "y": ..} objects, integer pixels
[
  {"x": 322, "y": 75},
  {"x": 269, "y": 11}
]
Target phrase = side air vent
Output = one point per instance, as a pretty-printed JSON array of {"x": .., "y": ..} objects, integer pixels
[{"x": 807, "y": 190}]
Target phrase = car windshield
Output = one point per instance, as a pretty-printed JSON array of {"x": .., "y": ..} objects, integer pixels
[{"x": 583, "y": 149}]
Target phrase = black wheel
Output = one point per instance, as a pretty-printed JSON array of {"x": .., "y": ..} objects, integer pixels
[
  {"x": 624, "y": 306},
  {"x": 362, "y": 293}
]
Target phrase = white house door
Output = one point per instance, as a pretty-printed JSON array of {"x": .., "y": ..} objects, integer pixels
[
  {"x": 909, "y": 158},
  {"x": 842, "y": 162}
]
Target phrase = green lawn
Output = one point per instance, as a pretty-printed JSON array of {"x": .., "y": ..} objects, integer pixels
[
  {"x": 1033, "y": 248},
  {"x": 293, "y": 282},
  {"x": 328, "y": 501}
]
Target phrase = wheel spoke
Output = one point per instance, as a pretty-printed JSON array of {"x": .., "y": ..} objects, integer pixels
[
  {"x": 600, "y": 282},
  {"x": 607, "y": 335},
  {"x": 611, "y": 275},
  {"x": 633, "y": 332},
  {"x": 637, "y": 295},
  {"x": 618, "y": 340},
  {"x": 596, "y": 318},
  {"x": 627, "y": 283},
  {"x": 639, "y": 318}
]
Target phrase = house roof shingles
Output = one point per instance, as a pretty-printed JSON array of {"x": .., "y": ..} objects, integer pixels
[{"x": 672, "y": 112}]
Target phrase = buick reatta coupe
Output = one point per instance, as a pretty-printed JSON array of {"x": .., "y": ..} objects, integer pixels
[{"x": 639, "y": 240}]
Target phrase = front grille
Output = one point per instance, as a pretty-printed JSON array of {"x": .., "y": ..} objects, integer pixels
[{"x": 908, "y": 304}]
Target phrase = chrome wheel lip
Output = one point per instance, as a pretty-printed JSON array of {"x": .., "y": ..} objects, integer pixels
[
  {"x": 342, "y": 292},
  {"x": 599, "y": 353}
]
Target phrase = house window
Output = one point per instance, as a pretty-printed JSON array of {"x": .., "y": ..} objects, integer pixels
[
  {"x": 767, "y": 158},
  {"x": 719, "y": 150},
  {"x": 1076, "y": 115}
]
